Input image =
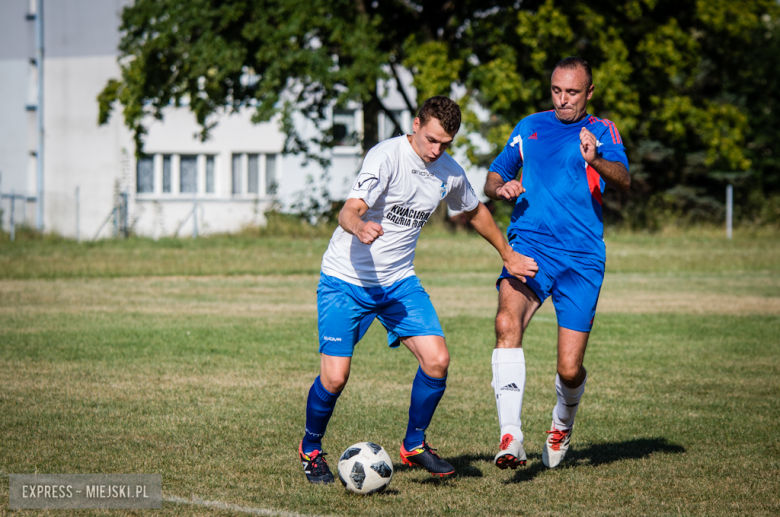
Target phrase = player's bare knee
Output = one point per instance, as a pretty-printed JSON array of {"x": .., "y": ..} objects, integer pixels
[
  {"x": 508, "y": 327},
  {"x": 571, "y": 374},
  {"x": 335, "y": 381},
  {"x": 337, "y": 386},
  {"x": 443, "y": 361},
  {"x": 437, "y": 365}
]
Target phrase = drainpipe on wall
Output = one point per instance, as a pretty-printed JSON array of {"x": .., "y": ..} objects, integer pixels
[{"x": 39, "y": 111}]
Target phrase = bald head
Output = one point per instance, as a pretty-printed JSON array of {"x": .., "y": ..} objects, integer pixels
[{"x": 574, "y": 63}]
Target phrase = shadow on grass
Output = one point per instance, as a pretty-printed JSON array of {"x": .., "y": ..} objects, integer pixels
[
  {"x": 464, "y": 468},
  {"x": 600, "y": 454},
  {"x": 388, "y": 492}
]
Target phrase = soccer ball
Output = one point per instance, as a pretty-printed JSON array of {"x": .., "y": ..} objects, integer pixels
[{"x": 365, "y": 468}]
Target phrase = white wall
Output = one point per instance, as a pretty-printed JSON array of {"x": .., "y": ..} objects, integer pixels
[
  {"x": 15, "y": 145},
  {"x": 78, "y": 152},
  {"x": 16, "y": 139}
]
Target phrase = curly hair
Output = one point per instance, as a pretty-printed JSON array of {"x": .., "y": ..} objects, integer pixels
[{"x": 444, "y": 109}]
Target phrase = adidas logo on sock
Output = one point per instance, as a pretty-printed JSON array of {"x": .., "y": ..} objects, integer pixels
[{"x": 511, "y": 387}]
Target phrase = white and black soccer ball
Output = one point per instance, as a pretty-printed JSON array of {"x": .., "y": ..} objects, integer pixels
[{"x": 365, "y": 468}]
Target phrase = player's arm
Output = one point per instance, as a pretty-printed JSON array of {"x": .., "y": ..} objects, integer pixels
[
  {"x": 497, "y": 188},
  {"x": 614, "y": 173},
  {"x": 518, "y": 265},
  {"x": 500, "y": 182},
  {"x": 350, "y": 218}
]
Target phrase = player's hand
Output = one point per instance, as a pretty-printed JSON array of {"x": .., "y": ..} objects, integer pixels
[
  {"x": 588, "y": 146},
  {"x": 510, "y": 190},
  {"x": 368, "y": 232},
  {"x": 520, "y": 266}
]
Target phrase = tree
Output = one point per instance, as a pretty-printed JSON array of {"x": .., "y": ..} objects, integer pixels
[
  {"x": 690, "y": 83},
  {"x": 278, "y": 57}
]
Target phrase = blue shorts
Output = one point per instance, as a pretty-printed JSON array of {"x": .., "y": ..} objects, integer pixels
[
  {"x": 345, "y": 311},
  {"x": 573, "y": 282}
]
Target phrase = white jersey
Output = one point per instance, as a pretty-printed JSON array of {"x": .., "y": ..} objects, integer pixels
[{"x": 401, "y": 191}]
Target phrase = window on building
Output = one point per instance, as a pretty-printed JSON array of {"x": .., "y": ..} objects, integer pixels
[
  {"x": 188, "y": 174},
  {"x": 270, "y": 174},
  {"x": 236, "y": 174},
  {"x": 145, "y": 175},
  {"x": 166, "y": 174},
  {"x": 209, "y": 174},
  {"x": 253, "y": 173},
  {"x": 344, "y": 127}
]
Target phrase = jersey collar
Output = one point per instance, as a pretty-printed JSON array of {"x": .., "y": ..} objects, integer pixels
[{"x": 581, "y": 123}]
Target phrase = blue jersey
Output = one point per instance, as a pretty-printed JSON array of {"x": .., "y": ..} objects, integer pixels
[{"x": 561, "y": 207}]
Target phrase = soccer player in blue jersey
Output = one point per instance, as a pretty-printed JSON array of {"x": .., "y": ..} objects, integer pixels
[
  {"x": 368, "y": 273},
  {"x": 567, "y": 157}
]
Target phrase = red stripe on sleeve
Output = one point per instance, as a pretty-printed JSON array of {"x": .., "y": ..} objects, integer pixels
[
  {"x": 617, "y": 133},
  {"x": 593, "y": 183},
  {"x": 613, "y": 130},
  {"x": 609, "y": 125}
]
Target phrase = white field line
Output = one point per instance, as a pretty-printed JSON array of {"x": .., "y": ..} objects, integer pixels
[{"x": 219, "y": 505}]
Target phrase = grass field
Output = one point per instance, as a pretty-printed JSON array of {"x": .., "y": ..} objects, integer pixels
[{"x": 193, "y": 360}]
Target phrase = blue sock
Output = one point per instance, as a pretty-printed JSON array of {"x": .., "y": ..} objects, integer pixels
[
  {"x": 319, "y": 408},
  {"x": 426, "y": 394}
]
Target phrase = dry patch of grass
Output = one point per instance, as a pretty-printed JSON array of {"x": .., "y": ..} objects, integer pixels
[
  {"x": 235, "y": 296},
  {"x": 24, "y": 377},
  {"x": 467, "y": 294},
  {"x": 648, "y": 293}
]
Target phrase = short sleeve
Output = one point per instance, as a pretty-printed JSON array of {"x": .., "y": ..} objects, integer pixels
[
  {"x": 461, "y": 197},
  {"x": 611, "y": 144},
  {"x": 510, "y": 160},
  {"x": 373, "y": 178}
]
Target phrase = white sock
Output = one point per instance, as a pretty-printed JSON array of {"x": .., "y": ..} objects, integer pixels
[
  {"x": 508, "y": 385},
  {"x": 568, "y": 401}
]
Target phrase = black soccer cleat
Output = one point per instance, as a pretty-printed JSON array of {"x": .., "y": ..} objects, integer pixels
[
  {"x": 425, "y": 457},
  {"x": 315, "y": 467}
]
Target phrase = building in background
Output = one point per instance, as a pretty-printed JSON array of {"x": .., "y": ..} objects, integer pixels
[{"x": 92, "y": 180}]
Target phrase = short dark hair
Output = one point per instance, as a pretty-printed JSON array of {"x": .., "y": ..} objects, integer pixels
[
  {"x": 444, "y": 109},
  {"x": 572, "y": 63}
]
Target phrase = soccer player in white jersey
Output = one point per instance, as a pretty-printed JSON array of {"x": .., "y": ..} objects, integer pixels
[{"x": 368, "y": 272}]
